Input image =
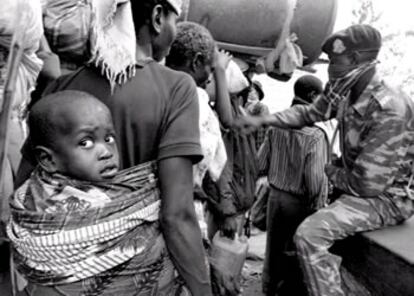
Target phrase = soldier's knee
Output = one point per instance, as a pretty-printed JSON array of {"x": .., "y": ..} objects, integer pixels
[{"x": 309, "y": 232}]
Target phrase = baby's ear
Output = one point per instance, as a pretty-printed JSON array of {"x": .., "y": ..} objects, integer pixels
[{"x": 46, "y": 159}]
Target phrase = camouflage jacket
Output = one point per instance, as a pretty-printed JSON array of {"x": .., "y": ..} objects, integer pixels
[{"x": 376, "y": 135}]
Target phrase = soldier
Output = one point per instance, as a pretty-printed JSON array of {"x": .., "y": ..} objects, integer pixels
[{"x": 376, "y": 126}]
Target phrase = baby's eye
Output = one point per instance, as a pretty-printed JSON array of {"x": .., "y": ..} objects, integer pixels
[
  {"x": 86, "y": 143},
  {"x": 110, "y": 139}
]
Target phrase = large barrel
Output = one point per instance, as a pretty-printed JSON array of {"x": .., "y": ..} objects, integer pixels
[{"x": 254, "y": 27}]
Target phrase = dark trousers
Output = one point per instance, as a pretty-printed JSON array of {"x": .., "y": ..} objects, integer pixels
[{"x": 281, "y": 272}]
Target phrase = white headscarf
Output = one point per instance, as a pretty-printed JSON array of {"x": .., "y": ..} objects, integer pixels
[
  {"x": 113, "y": 41},
  {"x": 177, "y": 5}
]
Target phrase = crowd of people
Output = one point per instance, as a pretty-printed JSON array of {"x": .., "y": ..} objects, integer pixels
[{"x": 134, "y": 140}]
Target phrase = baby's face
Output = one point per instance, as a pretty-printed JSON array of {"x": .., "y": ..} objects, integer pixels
[{"x": 85, "y": 146}]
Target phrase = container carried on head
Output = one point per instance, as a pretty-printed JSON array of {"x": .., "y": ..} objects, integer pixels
[{"x": 260, "y": 28}]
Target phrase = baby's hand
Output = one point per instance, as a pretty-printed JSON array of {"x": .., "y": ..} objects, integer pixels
[{"x": 222, "y": 59}]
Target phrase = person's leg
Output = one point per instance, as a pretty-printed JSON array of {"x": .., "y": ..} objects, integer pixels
[
  {"x": 269, "y": 282},
  {"x": 346, "y": 216},
  {"x": 284, "y": 213},
  {"x": 293, "y": 212}
]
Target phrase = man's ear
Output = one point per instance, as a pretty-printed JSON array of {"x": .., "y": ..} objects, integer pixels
[
  {"x": 197, "y": 62},
  {"x": 157, "y": 18},
  {"x": 46, "y": 159}
]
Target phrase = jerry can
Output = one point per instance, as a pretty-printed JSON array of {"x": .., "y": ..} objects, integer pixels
[{"x": 229, "y": 254}]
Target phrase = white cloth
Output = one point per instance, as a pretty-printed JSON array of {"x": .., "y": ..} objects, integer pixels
[
  {"x": 236, "y": 81},
  {"x": 177, "y": 5},
  {"x": 113, "y": 40},
  {"x": 22, "y": 17},
  {"x": 212, "y": 144}
]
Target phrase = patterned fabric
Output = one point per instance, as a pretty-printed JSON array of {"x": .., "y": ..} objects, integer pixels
[
  {"x": 113, "y": 40},
  {"x": 67, "y": 26},
  {"x": 31, "y": 30},
  {"x": 97, "y": 31},
  {"x": 67, "y": 231},
  {"x": 376, "y": 136},
  {"x": 346, "y": 216},
  {"x": 294, "y": 161},
  {"x": 211, "y": 141},
  {"x": 23, "y": 18},
  {"x": 377, "y": 143}
]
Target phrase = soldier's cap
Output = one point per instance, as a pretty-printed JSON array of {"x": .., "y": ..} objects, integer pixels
[
  {"x": 176, "y": 5},
  {"x": 356, "y": 38}
]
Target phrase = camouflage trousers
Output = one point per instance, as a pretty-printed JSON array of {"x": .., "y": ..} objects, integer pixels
[{"x": 346, "y": 216}]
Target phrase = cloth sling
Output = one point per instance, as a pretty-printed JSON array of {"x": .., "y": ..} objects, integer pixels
[{"x": 64, "y": 230}]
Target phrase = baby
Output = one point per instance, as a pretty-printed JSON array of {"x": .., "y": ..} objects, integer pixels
[
  {"x": 71, "y": 133},
  {"x": 76, "y": 207},
  {"x": 72, "y": 138}
]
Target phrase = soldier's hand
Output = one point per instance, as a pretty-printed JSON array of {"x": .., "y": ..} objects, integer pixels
[{"x": 247, "y": 124}]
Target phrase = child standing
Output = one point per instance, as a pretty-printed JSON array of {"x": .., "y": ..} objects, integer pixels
[{"x": 293, "y": 163}]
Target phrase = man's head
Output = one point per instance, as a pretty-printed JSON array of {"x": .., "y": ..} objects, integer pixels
[
  {"x": 306, "y": 89},
  {"x": 159, "y": 18},
  {"x": 72, "y": 133},
  {"x": 193, "y": 52},
  {"x": 350, "y": 48}
]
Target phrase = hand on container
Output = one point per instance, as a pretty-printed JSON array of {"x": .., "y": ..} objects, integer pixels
[
  {"x": 228, "y": 228},
  {"x": 221, "y": 59}
]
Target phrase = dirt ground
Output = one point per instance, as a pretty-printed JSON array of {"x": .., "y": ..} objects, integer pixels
[
  {"x": 252, "y": 278},
  {"x": 252, "y": 271}
]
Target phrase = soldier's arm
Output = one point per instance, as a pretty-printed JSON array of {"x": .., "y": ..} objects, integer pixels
[
  {"x": 294, "y": 117},
  {"x": 377, "y": 164},
  {"x": 301, "y": 115}
]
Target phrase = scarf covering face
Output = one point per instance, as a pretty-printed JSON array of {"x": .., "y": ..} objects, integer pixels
[
  {"x": 21, "y": 17},
  {"x": 65, "y": 231},
  {"x": 337, "y": 91}
]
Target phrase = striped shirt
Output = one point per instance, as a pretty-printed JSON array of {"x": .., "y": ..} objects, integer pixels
[{"x": 294, "y": 160}]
